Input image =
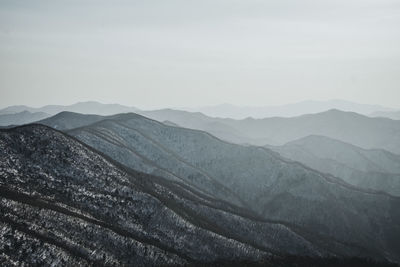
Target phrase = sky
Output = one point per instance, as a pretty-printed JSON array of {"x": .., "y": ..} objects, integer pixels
[{"x": 182, "y": 53}]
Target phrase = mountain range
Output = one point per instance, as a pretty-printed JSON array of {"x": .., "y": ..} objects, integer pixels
[
  {"x": 222, "y": 111},
  {"x": 288, "y": 110},
  {"x": 22, "y": 117},
  {"x": 367, "y": 168},
  {"x": 90, "y": 107},
  {"x": 348, "y": 127},
  {"x": 252, "y": 178},
  {"x": 64, "y": 203},
  {"x": 170, "y": 187}
]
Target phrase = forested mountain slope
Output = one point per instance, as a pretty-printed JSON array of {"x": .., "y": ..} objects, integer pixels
[
  {"x": 254, "y": 178},
  {"x": 63, "y": 203}
]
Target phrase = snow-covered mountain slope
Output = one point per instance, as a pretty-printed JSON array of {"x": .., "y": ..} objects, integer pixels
[
  {"x": 254, "y": 178},
  {"x": 63, "y": 203}
]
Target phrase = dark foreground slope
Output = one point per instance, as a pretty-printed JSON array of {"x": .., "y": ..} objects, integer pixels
[
  {"x": 62, "y": 203},
  {"x": 367, "y": 168},
  {"x": 343, "y": 218}
]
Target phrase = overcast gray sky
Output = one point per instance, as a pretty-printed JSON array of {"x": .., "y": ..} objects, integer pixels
[{"x": 175, "y": 53}]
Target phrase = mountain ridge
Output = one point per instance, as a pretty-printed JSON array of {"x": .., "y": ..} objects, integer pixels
[
  {"x": 59, "y": 141},
  {"x": 22, "y": 117},
  {"x": 100, "y": 120},
  {"x": 366, "y": 168},
  {"x": 273, "y": 181},
  {"x": 288, "y": 110},
  {"x": 348, "y": 127},
  {"x": 88, "y": 107}
]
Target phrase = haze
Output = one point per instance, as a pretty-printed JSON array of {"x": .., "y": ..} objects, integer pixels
[{"x": 153, "y": 54}]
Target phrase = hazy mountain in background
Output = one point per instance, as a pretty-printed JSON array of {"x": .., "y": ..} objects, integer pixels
[
  {"x": 348, "y": 127},
  {"x": 90, "y": 107},
  {"x": 63, "y": 203},
  {"x": 16, "y": 109},
  {"x": 289, "y": 110},
  {"x": 221, "y": 111},
  {"x": 198, "y": 121},
  {"x": 69, "y": 120},
  {"x": 394, "y": 115},
  {"x": 254, "y": 178},
  {"x": 22, "y": 117},
  {"x": 375, "y": 169}
]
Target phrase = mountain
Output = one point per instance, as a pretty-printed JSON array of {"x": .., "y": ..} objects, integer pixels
[
  {"x": 348, "y": 127},
  {"x": 394, "y": 115},
  {"x": 69, "y": 120},
  {"x": 358, "y": 221},
  {"x": 289, "y": 110},
  {"x": 224, "y": 129},
  {"x": 375, "y": 169},
  {"x": 63, "y": 203},
  {"x": 90, "y": 107},
  {"x": 220, "y": 111},
  {"x": 68, "y": 203},
  {"x": 23, "y": 117},
  {"x": 16, "y": 109}
]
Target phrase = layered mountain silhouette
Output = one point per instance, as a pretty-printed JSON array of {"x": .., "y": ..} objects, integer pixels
[
  {"x": 22, "y": 117},
  {"x": 225, "y": 129},
  {"x": 394, "y": 115},
  {"x": 255, "y": 179},
  {"x": 348, "y": 127},
  {"x": 63, "y": 203},
  {"x": 289, "y": 110},
  {"x": 375, "y": 169},
  {"x": 89, "y": 107},
  {"x": 221, "y": 111},
  {"x": 68, "y": 120}
]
